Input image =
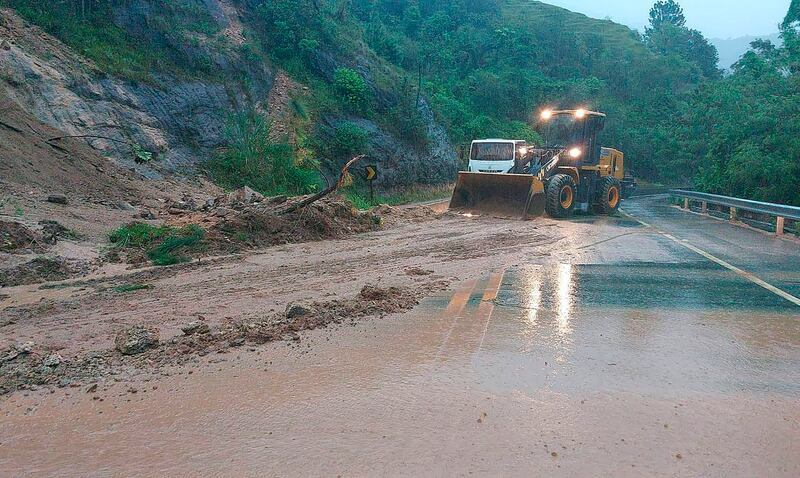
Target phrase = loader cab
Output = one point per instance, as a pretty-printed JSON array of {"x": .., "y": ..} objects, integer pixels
[
  {"x": 573, "y": 131},
  {"x": 495, "y": 155}
]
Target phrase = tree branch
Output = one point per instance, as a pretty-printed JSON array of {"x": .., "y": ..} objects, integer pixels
[{"x": 328, "y": 190}]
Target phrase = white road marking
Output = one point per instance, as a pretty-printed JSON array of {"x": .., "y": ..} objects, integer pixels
[{"x": 747, "y": 275}]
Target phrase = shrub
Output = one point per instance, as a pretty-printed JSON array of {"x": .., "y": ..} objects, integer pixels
[
  {"x": 169, "y": 251},
  {"x": 163, "y": 245},
  {"x": 253, "y": 159},
  {"x": 349, "y": 139},
  {"x": 351, "y": 85}
]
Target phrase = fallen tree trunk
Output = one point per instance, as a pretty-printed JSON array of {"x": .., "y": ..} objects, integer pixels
[{"x": 328, "y": 190}]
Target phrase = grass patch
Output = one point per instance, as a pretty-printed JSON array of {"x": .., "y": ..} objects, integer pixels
[
  {"x": 252, "y": 158},
  {"x": 124, "y": 288},
  {"x": 360, "y": 197},
  {"x": 163, "y": 245}
]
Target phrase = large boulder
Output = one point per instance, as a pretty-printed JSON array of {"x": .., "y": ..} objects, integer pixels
[{"x": 136, "y": 340}]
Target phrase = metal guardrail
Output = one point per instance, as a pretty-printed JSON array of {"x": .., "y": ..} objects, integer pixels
[{"x": 778, "y": 211}]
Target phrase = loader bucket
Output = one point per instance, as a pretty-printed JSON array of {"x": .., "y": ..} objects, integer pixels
[{"x": 507, "y": 195}]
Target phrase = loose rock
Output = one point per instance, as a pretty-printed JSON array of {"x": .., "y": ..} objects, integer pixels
[
  {"x": 136, "y": 340},
  {"x": 52, "y": 361},
  {"x": 57, "y": 199},
  {"x": 300, "y": 309},
  {"x": 245, "y": 195},
  {"x": 196, "y": 327}
]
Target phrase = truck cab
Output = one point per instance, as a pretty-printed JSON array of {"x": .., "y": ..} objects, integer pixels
[{"x": 495, "y": 155}]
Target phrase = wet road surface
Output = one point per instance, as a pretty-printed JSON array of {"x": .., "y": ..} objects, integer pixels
[{"x": 630, "y": 354}]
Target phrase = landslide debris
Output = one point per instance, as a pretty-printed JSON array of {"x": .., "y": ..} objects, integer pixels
[
  {"x": 42, "y": 269},
  {"x": 240, "y": 221},
  {"x": 138, "y": 348},
  {"x": 16, "y": 237}
]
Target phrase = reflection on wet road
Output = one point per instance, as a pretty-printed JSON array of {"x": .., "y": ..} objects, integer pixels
[{"x": 631, "y": 355}]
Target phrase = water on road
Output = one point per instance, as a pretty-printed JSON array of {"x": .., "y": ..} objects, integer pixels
[{"x": 635, "y": 357}]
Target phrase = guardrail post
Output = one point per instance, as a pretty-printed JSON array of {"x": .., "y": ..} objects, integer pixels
[
  {"x": 734, "y": 215},
  {"x": 704, "y": 207},
  {"x": 686, "y": 203},
  {"x": 779, "y": 226}
]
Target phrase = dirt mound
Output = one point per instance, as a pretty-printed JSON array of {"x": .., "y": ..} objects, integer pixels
[
  {"x": 264, "y": 225},
  {"x": 16, "y": 237},
  {"x": 233, "y": 223},
  {"x": 29, "y": 157},
  {"x": 41, "y": 269},
  {"x": 25, "y": 366}
]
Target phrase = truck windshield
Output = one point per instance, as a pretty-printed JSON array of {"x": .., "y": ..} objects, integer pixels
[
  {"x": 562, "y": 131},
  {"x": 492, "y": 152}
]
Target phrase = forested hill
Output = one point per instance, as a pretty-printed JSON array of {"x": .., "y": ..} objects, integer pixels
[{"x": 383, "y": 76}]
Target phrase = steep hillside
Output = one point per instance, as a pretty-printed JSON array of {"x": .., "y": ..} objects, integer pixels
[
  {"x": 271, "y": 93},
  {"x": 169, "y": 78}
]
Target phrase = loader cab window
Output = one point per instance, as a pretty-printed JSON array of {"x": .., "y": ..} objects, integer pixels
[
  {"x": 492, "y": 152},
  {"x": 563, "y": 131}
]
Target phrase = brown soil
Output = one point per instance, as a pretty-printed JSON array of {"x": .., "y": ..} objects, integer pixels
[
  {"x": 243, "y": 297},
  {"x": 69, "y": 166},
  {"x": 16, "y": 237},
  {"x": 23, "y": 366},
  {"x": 41, "y": 269}
]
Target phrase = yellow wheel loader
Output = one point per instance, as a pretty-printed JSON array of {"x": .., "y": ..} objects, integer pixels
[{"x": 571, "y": 171}]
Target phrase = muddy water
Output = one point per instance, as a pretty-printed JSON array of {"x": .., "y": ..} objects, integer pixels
[{"x": 544, "y": 369}]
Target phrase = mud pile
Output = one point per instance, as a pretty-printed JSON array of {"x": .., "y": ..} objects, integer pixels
[
  {"x": 25, "y": 366},
  {"x": 16, "y": 237},
  {"x": 42, "y": 269},
  {"x": 265, "y": 225},
  {"x": 246, "y": 220}
]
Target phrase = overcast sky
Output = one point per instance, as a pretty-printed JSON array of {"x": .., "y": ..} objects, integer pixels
[{"x": 715, "y": 18}]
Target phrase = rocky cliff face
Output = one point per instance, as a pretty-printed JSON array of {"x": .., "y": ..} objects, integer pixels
[
  {"x": 180, "y": 120},
  {"x": 179, "y": 117}
]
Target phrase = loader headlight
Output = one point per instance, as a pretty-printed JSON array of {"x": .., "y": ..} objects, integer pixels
[
  {"x": 580, "y": 114},
  {"x": 575, "y": 153},
  {"x": 547, "y": 114}
]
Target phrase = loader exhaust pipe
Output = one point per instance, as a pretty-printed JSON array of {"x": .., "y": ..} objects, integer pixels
[{"x": 504, "y": 195}]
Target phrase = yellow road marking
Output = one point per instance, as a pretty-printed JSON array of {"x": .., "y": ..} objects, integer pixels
[
  {"x": 747, "y": 275},
  {"x": 454, "y": 309},
  {"x": 488, "y": 301}
]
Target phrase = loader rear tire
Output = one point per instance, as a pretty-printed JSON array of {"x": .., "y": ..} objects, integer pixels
[
  {"x": 561, "y": 196},
  {"x": 609, "y": 196}
]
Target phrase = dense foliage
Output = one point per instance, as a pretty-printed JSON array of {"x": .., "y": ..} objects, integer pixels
[
  {"x": 254, "y": 158},
  {"x": 485, "y": 68}
]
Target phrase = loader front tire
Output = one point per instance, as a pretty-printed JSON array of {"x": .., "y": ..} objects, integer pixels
[
  {"x": 561, "y": 196},
  {"x": 609, "y": 196}
]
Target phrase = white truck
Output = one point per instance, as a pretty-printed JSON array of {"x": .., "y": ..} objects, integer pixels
[{"x": 495, "y": 155}]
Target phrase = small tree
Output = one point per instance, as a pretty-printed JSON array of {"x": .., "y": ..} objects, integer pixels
[{"x": 351, "y": 85}]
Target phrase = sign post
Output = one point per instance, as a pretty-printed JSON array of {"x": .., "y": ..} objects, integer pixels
[{"x": 371, "y": 175}]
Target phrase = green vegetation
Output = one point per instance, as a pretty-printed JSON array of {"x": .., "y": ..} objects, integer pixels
[
  {"x": 125, "y": 288},
  {"x": 252, "y": 158},
  {"x": 349, "y": 139},
  {"x": 87, "y": 26},
  {"x": 352, "y": 87},
  {"x": 163, "y": 245},
  {"x": 485, "y": 68}
]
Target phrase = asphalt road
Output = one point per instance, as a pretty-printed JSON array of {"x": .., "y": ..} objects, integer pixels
[{"x": 663, "y": 343}]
